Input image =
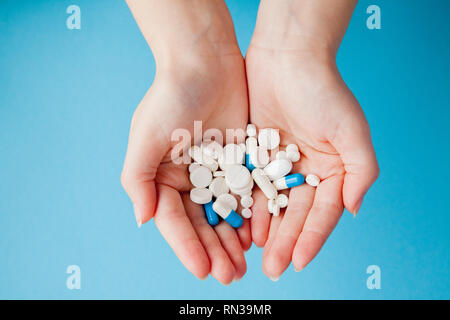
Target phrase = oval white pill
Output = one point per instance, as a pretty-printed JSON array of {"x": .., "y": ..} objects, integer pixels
[
  {"x": 201, "y": 195},
  {"x": 260, "y": 157},
  {"x": 293, "y": 156},
  {"x": 269, "y": 138},
  {"x": 229, "y": 200},
  {"x": 251, "y": 130},
  {"x": 264, "y": 183},
  {"x": 247, "y": 213},
  {"x": 193, "y": 166},
  {"x": 278, "y": 168},
  {"x": 291, "y": 148},
  {"x": 246, "y": 201},
  {"x": 282, "y": 200},
  {"x": 281, "y": 155},
  {"x": 312, "y": 180},
  {"x": 201, "y": 177},
  {"x": 218, "y": 186}
]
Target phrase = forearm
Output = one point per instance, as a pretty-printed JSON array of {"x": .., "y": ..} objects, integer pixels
[
  {"x": 181, "y": 27},
  {"x": 293, "y": 25}
]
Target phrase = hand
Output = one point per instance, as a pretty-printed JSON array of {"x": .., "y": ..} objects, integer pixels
[
  {"x": 200, "y": 76},
  {"x": 302, "y": 93}
]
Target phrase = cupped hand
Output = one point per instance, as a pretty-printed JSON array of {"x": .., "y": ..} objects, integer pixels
[
  {"x": 303, "y": 95},
  {"x": 211, "y": 89}
]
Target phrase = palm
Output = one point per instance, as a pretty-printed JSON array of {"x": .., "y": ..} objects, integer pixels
[{"x": 309, "y": 104}]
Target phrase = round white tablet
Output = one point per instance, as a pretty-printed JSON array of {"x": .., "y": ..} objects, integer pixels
[
  {"x": 251, "y": 130},
  {"x": 293, "y": 156},
  {"x": 246, "y": 213},
  {"x": 193, "y": 166},
  {"x": 218, "y": 186},
  {"x": 246, "y": 201},
  {"x": 282, "y": 200},
  {"x": 229, "y": 200},
  {"x": 269, "y": 138},
  {"x": 201, "y": 195},
  {"x": 237, "y": 176},
  {"x": 291, "y": 148},
  {"x": 201, "y": 177},
  {"x": 312, "y": 180}
]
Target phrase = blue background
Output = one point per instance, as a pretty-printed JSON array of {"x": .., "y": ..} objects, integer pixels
[{"x": 66, "y": 101}]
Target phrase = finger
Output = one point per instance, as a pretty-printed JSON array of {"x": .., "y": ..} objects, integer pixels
[
  {"x": 146, "y": 149},
  {"x": 278, "y": 255},
  {"x": 222, "y": 267},
  {"x": 230, "y": 242},
  {"x": 354, "y": 144},
  {"x": 176, "y": 228},
  {"x": 273, "y": 228},
  {"x": 245, "y": 235},
  {"x": 260, "y": 220},
  {"x": 322, "y": 218}
]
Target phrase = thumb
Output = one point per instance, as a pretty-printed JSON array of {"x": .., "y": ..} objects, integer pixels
[
  {"x": 354, "y": 144},
  {"x": 146, "y": 150}
]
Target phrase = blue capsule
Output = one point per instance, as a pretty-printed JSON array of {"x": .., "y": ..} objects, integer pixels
[
  {"x": 234, "y": 219},
  {"x": 211, "y": 215},
  {"x": 289, "y": 181},
  {"x": 248, "y": 163}
]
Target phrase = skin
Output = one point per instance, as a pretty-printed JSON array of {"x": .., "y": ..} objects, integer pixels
[
  {"x": 200, "y": 76},
  {"x": 294, "y": 85}
]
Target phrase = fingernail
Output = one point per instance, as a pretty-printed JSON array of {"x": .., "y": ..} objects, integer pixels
[
  {"x": 357, "y": 207},
  {"x": 138, "y": 215},
  {"x": 298, "y": 270},
  {"x": 274, "y": 279},
  {"x": 237, "y": 279}
]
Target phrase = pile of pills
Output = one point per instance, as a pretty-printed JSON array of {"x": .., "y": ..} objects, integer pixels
[{"x": 221, "y": 174}]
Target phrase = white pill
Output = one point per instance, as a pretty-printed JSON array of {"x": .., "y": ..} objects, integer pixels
[
  {"x": 251, "y": 130},
  {"x": 218, "y": 187},
  {"x": 237, "y": 176},
  {"x": 245, "y": 190},
  {"x": 293, "y": 156},
  {"x": 278, "y": 168},
  {"x": 264, "y": 183},
  {"x": 273, "y": 207},
  {"x": 269, "y": 138},
  {"x": 212, "y": 149},
  {"x": 201, "y": 195},
  {"x": 219, "y": 174},
  {"x": 291, "y": 148},
  {"x": 312, "y": 180},
  {"x": 246, "y": 213},
  {"x": 193, "y": 166},
  {"x": 281, "y": 155},
  {"x": 246, "y": 201},
  {"x": 196, "y": 153},
  {"x": 251, "y": 144},
  {"x": 201, "y": 177},
  {"x": 229, "y": 200},
  {"x": 243, "y": 147},
  {"x": 260, "y": 157},
  {"x": 282, "y": 200},
  {"x": 232, "y": 154}
]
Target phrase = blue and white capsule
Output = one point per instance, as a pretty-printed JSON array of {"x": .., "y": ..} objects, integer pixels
[
  {"x": 228, "y": 214},
  {"x": 248, "y": 163},
  {"x": 289, "y": 181},
  {"x": 211, "y": 215}
]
